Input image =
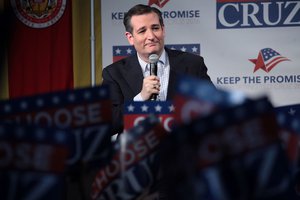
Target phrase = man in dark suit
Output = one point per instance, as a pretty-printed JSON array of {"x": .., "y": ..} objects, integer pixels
[{"x": 130, "y": 79}]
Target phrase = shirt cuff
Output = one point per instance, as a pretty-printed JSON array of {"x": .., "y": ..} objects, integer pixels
[{"x": 138, "y": 97}]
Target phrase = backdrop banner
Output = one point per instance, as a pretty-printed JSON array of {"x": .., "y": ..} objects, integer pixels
[{"x": 249, "y": 46}]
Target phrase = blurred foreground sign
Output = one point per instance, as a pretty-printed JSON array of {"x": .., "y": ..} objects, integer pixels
[
  {"x": 234, "y": 153},
  {"x": 32, "y": 162},
  {"x": 288, "y": 118},
  {"x": 133, "y": 173},
  {"x": 195, "y": 98},
  {"x": 86, "y": 112}
]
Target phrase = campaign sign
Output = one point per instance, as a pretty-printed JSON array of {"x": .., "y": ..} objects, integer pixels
[
  {"x": 288, "y": 118},
  {"x": 195, "y": 97},
  {"x": 234, "y": 153},
  {"x": 32, "y": 162},
  {"x": 238, "y": 14},
  {"x": 86, "y": 111},
  {"x": 134, "y": 170},
  {"x": 136, "y": 111}
]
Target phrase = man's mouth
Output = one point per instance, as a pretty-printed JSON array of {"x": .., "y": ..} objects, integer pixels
[{"x": 151, "y": 44}]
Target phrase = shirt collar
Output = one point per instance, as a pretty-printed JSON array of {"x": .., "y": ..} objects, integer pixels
[
  {"x": 162, "y": 59},
  {"x": 142, "y": 63}
]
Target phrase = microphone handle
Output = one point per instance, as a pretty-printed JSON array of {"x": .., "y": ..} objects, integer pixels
[
  {"x": 153, "y": 71},
  {"x": 153, "y": 97}
]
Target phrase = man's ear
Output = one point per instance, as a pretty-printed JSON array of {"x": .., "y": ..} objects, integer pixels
[{"x": 129, "y": 37}]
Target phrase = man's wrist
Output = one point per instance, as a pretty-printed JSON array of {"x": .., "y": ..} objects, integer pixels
[{"x": 138, "y": 97}]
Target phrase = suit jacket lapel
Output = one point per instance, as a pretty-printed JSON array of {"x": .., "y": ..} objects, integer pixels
[{"x": 133, "y": 74}]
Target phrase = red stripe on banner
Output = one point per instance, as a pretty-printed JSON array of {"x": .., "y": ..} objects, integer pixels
[
  {"x": 40, "y": 59},
  {"x": 272, "y": 64},
  {"x": 117, "y": 58},
  {"x": 236, "y": 1}
]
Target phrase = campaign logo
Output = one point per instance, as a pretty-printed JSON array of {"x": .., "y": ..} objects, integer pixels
[
  {"x": 257, "y": 13},
  {"x": 159, "y": 3},
  {"x": 120, "y": 52},
  {"x": 38, "y": 14},
  {"x": 267, "y": 59}
]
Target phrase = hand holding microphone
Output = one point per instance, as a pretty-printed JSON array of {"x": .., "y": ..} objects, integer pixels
[{"x": 151, "y": 84}]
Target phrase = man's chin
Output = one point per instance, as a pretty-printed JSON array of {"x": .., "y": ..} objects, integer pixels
[{"x": 154, "y": 51}]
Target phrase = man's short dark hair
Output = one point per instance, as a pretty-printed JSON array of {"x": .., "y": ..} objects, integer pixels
[{"x": 140, "y": 9}]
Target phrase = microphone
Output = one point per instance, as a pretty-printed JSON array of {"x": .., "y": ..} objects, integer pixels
[{"x": 153, "y": 59}]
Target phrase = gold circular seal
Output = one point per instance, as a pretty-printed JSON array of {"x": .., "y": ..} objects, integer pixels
[{"x": 38, "y": 13}]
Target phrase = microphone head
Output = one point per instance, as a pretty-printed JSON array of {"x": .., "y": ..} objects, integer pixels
[{"x": 153, "y": 58}]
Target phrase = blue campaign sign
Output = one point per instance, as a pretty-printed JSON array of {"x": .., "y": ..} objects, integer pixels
[
  {"x": 195, "y": 97},
  {"x": 86, "y": 112},
  {"x": 203, "y": 90},
  {"x": 137, "y": 111},
  {"x": 288, "y": 118},
  {"x": 32, "y": 162},
  {"x": 63, "y": 109},
  {"x": 238, "y": 14},
  {"x": 234, "y": 153},
  {"x": 134, "y": 170}
]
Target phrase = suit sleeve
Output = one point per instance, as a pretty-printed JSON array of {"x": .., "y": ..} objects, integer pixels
[
  {"x": 117, "y": 100},
  {"x": 203, "y": 73},
  {"x": 197, "y": 68}
]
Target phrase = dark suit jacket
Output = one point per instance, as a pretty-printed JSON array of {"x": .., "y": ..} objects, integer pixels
[{"x": 125, "y": 78}]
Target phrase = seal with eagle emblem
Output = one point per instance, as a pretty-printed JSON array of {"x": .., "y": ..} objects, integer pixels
[{"x": 38, "y": 13}]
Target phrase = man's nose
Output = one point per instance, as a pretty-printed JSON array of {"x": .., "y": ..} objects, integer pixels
[{"x": 150, "y": 34}]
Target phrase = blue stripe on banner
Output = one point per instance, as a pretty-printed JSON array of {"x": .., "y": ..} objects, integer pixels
[
  {"x": 148, "y": 107},
  {"x": 127, "y": 50}
]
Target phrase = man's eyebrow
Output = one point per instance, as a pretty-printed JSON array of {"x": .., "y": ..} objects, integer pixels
[
  {"x": 141, "y": 28},
  {"x": 155, "y": 24}
]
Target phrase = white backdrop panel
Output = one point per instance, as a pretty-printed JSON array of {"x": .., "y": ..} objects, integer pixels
[{"x": 226, "y": 51}]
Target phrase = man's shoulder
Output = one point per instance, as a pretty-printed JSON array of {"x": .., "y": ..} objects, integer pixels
[
  {"x": 183, "y": 54},
  {"x": 121, "y": 63}
]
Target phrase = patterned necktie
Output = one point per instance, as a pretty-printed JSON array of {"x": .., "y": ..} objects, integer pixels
[{"x": 161, "y": 75}]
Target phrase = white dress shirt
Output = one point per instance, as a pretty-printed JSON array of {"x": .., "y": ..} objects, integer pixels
[{"x": 163, "y": 72}]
